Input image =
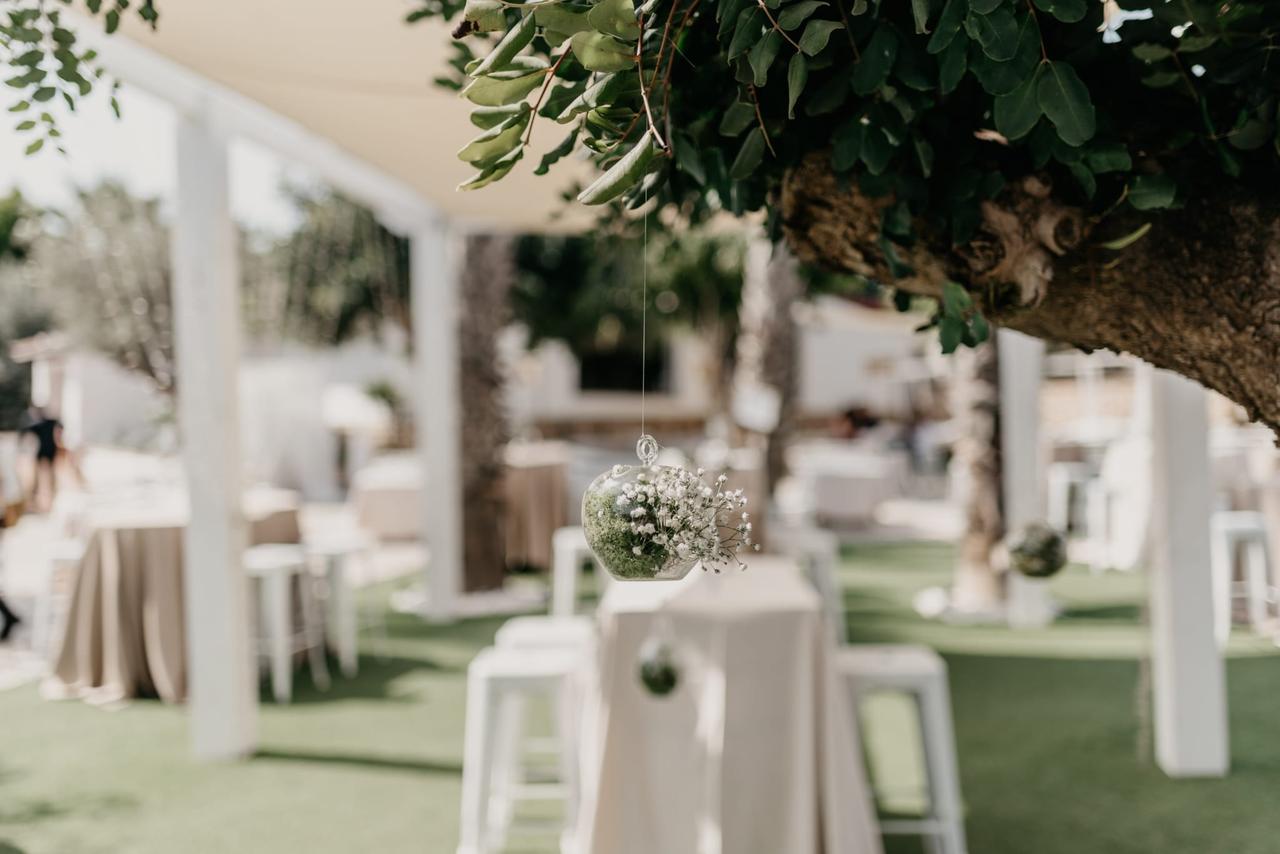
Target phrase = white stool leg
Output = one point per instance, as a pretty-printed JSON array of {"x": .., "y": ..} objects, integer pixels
[
  {"x": 1096, "y": 526},
  {"x": 1059, "y": 511},
  {"x": 565, "y": 710},
  {"x": 1220, "y": 562},
  {"x": 277, "y": 617},
  {"x": 477, "y": 758},
  {"x": 564, "y": 581},
  {"x": 342, "y": 614},
  {"x": 508, "y": 763},
  {"x": 1256, "y": 581},
  {"x": 940, "y": 757},
  {"x": 313, "y": 630}
]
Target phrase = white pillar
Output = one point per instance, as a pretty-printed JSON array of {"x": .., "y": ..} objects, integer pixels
[
  {"x": 1187, "y": 671},
  {"x": 221, "y": 678},
  {"x": 1021, "y": 367},
  {"x": 434, "y": 301}
]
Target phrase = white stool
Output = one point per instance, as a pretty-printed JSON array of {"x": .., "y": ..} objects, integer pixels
[
  {"x": 922, "y": 674},
  {"x": 333, "y": 552},
  {"x": 538, "y": 631},
  {"x": 818, "y": 553},
  {"x": 1067, "y": 483},
  {"x": 1229, "y": 529},
  {"x": 55, "y": 597},
  {"x": 496, "y": 678},
  {"x": 274, "y": 567},
  {"x": 569, "y": 550}
]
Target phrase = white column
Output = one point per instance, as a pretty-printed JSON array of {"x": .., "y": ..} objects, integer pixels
[
  {"x": 221, "y": 678},
  {"x": 1187, "y": 671},
  {"x": 1021, "y": 367},
  {"x": 434, "y": 300}
]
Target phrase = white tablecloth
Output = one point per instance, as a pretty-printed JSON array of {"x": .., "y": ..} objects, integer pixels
[{"x": 753, "y": 753}]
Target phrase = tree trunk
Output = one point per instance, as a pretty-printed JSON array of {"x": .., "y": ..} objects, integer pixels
[
  {"x": 768, "y": 343},
  {"x": 488, "y": 272},
  {"x": 976, "y": 405},
  {"x": 1199, "y": 293}
]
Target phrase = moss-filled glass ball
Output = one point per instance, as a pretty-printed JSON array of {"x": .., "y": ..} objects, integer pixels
[{"x": 617, "y": 513}]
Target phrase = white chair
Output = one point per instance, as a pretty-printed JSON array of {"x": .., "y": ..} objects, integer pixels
[
  {"x": 55, "y": 597},
  {"x": 333, "y": 553},
  {"x": 818, "y": 553},
  {"x": 499, "y": 680},
  {"x": 1229, "y": 530},
  {"x": 920, "y": 673},
  {"x": 569, "y": 550},
  {"x": 274, "y": 567}
]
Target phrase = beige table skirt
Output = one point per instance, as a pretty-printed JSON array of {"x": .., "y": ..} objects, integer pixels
[
  {"x": 753, "y": 753},
  {"x": 123, "y": 636},
  {"x": 535, "y": 495}
]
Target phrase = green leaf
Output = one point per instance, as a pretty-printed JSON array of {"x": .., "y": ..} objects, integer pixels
[
  {"x": 872, "y": 70},
  {"x": 846, "y": 144},
  {"x": 877, "y": 150},
  {"x": 1151, "y": 52},
  {"x": 35, "y": 146},
  {"x": 689, "y": 159},
  {"x": 493, "y": 173},
  {"x": 1065, "y": 100},
  {"x": 924, "y": 155},
  {"x": 1252, "y": 134},
  {"x": 817, "y": 34},
  {"x": 1067, "y": 11},
  {"x": 952, "y": 65},
  {"x": 797, "y": 78},
  {"x": 616, "y": 18},
  {"x": 950, "y": 332},
  {"x": 508, "y": 46},
  {"x": 1083, "y": 177},
  {"x": 984, "y": 7},
  {"x": 554, "y": 155},
  {"x": 1149, "y": 192},
  {"x": 1017, "y": 113},
  {"x": 556, "y": 19},
  {"x": 1001, "y": 78},
  {"x": 43, "y": 94},
  {"x": 1129, "y": 239},
  {"x": 762, "y": 55},
  {"x": 19, "y": 106},
  {"x": 495, "y": 143},
  {"x": 1161, "y": 79},
  {"x": 737, "y": 118},
  {"x": 953, "y": 15},
  {"x": 622, "y": 175},
  {"x": 1111, "y": 157},
  {"x": 997, "y": 33},
  {"x": 746, "y": 33},
  {"x": 598, "y": 52},
  {"x": 488, "y": 117},
  {"x": 795, "y": 14},
  {"x": 489, "y": 16},
  {"x": 1194, "y": 44},
  {"x": 25, "y": 125},
  {"x": 749, "y": 156},
  {"x": 955, "y": 299},
  {"x": 920, "y": 10}
]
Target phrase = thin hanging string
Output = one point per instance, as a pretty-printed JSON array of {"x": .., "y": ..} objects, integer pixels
[{"x": 644, "y": 312}]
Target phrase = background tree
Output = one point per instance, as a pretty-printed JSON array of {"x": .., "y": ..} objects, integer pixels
[{"x": 24, "y": 311}]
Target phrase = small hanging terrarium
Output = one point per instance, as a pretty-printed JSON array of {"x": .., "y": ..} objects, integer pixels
[{"x": 656, "y": 522}]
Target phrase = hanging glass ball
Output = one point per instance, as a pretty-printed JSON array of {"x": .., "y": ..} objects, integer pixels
[
  {"x": 1037, "y": 551},
  {"x": 659, "y": 672},
  {"x": 652, "y": 522}
]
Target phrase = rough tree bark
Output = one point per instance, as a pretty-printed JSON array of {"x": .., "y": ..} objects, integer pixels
[
  {"x": 976, "y": 588},
  {"x": 488, "y": 272},
  {"x": 768, "y": 342},
  {"x": 1198, "y": 294}
]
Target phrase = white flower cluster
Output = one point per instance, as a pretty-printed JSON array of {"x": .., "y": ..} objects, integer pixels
[{"x": 673, "y": 510}]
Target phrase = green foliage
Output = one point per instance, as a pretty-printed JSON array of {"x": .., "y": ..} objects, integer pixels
[
  {"x": 702, "y": 105},
  {"x": 24, "y": 313},
  {"x": 39, "y": 54}
]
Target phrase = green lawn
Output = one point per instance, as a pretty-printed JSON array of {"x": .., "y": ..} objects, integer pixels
[{"x": 1045, "y": 720}]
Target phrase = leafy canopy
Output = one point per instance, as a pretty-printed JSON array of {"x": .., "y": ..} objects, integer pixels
[{"x": 937, "y": 105}]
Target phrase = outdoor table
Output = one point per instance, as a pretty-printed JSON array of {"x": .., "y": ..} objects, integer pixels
[
  {"x": 123, "y": 635},
  {"x": 754, "y": 751},
  {"x": 536, "y": 500}
]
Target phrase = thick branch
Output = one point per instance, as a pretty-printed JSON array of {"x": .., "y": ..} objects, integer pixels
[{"x": 1198, "y": 294}]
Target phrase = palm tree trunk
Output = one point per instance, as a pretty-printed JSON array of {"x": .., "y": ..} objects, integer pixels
[
  {"x": 977, "y": 589},
  {"x": 487, "y": 275}
]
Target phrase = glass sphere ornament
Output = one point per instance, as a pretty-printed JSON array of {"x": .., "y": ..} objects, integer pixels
[
  {"x": 659, "y": 672},
  {"x": 653, "y": 522},
  {"x": 1037, "y": 551}
]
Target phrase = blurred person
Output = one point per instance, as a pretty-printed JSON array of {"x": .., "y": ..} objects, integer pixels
[
  {"x": 9, "y": 514},
  {"x": 854, "y": 422},
  {"x": 47, "y": 431}
]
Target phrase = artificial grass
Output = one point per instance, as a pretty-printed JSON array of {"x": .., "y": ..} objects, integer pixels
[{"x": 1046, "y": 726}]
